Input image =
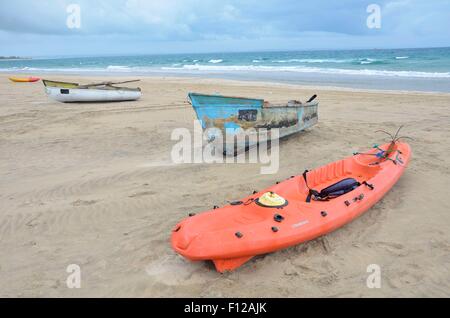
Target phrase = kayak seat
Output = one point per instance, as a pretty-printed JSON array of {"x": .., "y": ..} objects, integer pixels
[
  {"x": 344, "y": 177},
  {"x": 333, "y": 191},
  {"x": 339, "y": 188}
]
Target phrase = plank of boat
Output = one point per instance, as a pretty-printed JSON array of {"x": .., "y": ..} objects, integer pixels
[
  {"x": 107, "y": 84},
  {"x": 48, "y": 83}
]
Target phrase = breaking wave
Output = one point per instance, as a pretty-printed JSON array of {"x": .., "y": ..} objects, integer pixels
[
  {"x": 117, "y": 67},
  {"x": 300, "y": 69},
  {"x": 215, "y": 61},
  {"x": 208, "y": 68},
  {"x": 312, "y": 61}
]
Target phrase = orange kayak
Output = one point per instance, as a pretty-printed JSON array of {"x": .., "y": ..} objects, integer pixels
[
  {"x": 24, "y": 79},
  {"x": 296, "y": 210}
]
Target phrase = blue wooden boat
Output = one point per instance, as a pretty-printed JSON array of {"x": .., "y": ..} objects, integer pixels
[{"x": 236, "y": 120}]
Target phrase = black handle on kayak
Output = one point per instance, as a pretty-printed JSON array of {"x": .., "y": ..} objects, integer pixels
[{"x": 312, "y": 99}]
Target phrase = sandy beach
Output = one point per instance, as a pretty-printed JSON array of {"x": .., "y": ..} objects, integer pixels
[{"x": 94, "y": 185}]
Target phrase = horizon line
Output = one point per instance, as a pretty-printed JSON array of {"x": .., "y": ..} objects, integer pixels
[{"x": 214, "y": 52}]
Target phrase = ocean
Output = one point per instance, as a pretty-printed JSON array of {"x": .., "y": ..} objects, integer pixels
[{"x": 426, "y": 69}]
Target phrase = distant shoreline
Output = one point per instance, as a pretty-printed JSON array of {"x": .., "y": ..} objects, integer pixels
[
  {"x": 314, "y": 85},
  {"x": 14, "y": 58}
]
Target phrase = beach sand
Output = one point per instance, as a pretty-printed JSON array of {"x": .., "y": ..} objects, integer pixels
[{"x": 93, "y": 185}]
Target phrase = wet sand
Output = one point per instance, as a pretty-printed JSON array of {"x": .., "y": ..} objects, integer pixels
[{"x": 94, "y": 185}]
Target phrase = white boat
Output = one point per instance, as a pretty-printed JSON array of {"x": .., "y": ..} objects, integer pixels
[{"x": 102, "y": 92}]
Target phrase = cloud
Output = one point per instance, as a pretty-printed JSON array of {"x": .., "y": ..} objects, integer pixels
[
  {"x": 187, "y": 19},
  {"x": 175, "y": 21}
]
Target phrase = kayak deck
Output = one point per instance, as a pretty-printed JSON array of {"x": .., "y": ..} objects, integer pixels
[
  {"x": 234, "y": 234},
  {"x": 24, "y": 79}
]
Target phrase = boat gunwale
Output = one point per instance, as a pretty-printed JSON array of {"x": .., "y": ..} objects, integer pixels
[
  {"x": 265, "y": 104},
  {"x": 100, "y": 88},
  {"x": 58, "y": 82},
  {"x": 222, "y": 96},
  {"x": 294, "y": 106}
]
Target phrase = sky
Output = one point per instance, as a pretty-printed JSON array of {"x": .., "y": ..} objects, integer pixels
[{"x": 118, "y": 27}]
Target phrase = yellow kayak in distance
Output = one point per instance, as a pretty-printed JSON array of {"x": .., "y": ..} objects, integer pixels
[{"x": 24, "y": 79}]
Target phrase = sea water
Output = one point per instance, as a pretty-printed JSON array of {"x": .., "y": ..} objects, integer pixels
[{"x": 426, "y": 69}]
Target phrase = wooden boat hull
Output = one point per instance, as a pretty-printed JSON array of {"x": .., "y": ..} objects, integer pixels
[
  {"x": 74, "y": 93},
  {"x": 232, "y": 235},
  {"x": 24, "y": 80},
  {"x": 234, "y": 124}
]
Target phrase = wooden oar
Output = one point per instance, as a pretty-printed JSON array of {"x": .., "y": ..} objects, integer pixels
[{"x": 106, "y": 83}]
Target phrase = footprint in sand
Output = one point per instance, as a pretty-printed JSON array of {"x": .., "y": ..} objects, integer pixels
[
  {"x": 393, "y": 248},
  {"x": 84, "y": 203},
  {"x": 142, "y": 194}
]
